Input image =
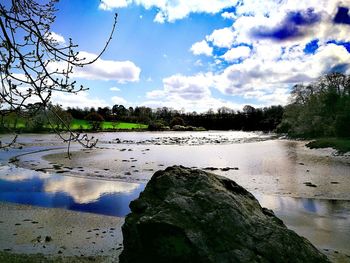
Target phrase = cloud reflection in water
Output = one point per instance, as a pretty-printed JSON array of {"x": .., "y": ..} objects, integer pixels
[{"x": 85, "y": 190}]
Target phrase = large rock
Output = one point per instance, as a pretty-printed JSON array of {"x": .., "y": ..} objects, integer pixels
[{"x": 187, "y": 215}]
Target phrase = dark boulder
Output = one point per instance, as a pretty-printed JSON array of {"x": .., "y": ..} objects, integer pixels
[{"x": 186, "y": 215}]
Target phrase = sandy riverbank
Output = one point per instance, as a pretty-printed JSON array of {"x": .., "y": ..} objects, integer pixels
[
  {"x": 58, "y": 233},
  {"x": 35, "y": 234}
]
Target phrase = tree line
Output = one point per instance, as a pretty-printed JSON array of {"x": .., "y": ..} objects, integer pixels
[
  {"x": 319, "y": 109},
  {"x": 250, "y": 118}
]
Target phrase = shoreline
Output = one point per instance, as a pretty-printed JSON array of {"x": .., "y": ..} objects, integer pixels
[
  {"x": 57, "y": 235},
  {"x": 135, "y": 163},
  {"x": 55, "y": 232}
]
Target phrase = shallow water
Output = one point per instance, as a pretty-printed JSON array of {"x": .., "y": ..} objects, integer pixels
[
  {"x": 23, "y": 186},
  {"x": 326, "y": 223},
  {"x": 307, "y": 189}
]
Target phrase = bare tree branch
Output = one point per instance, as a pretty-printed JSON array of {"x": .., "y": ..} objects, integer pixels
[{"x": 28, "y": 54}]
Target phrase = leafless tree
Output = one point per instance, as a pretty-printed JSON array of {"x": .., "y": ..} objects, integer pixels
[{"x": 29, "y": 55}]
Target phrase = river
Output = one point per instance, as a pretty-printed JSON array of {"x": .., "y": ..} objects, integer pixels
[{"x": 308, "y": 189}]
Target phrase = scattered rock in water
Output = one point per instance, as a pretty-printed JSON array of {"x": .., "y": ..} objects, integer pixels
[
  {"x": 43, "y": 170},
  {"x": 211, "y": 168},
  {"x": 56, "y": 166},
  {"x": 186, "y": 215},
  {"x": 310, "y": 184},
  {"x": 13, "y": 160},
  {"x": 61, "y": 172},
  {"x": 228, "y": 169}
]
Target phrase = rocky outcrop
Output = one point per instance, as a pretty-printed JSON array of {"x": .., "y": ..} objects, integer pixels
[{"x": 187, "y": 215}]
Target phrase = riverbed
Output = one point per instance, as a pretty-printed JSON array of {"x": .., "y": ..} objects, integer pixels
[{"x": 308, "y": 189}]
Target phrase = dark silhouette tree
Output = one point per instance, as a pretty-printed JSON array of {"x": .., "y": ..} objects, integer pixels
[{"x": 95, "y": 119}]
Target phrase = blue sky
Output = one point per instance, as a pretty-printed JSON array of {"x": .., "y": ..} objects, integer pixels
[{"x": 195, "y": 55}]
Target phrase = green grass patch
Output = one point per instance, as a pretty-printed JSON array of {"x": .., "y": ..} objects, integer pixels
[
  {"x": 79, "y": 125},
  {"x": 107, "y": 125},
  {"x": 342, "y": 145},
  {"x": 76, "y": 124}
]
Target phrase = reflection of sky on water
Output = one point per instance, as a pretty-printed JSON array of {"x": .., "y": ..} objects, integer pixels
[
  {"x": 320, "y": 207},
  {"x": 87, "y": 191},
  {"x": 326, "y": 223},
  {"x": 49, "y": 190}
]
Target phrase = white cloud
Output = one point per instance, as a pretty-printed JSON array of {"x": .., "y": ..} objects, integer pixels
[
  {"x": 228, "y": 15},
  {"x": 111, "y": 4},
  {"x": 57, "y": 37},
  {"x": 188, "y": 87},
  {"x": 189, "y": 92},
  {"x": 118, "y": 100},
  {"x": 114, "y": 89},
  {"x": 172, "y": 10},
  {"x": 236, "y": 53},
  {"x": 201, "y": 48},
  {"x": 120, "y": 71},
  {"x": 223, "y": 38},
  {"x": 265, "y": 77},
  {"x": 276, "y": 60},
  {"x": 81, "y": 99}
]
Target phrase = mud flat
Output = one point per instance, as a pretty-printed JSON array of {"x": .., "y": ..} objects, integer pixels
[{"x": 56, "y": 232}]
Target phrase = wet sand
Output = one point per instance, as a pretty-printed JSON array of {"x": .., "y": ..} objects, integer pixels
[{"x": 58, "y": 232}]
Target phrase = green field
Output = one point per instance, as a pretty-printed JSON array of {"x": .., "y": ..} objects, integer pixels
[
  {"x": 107, "y": 125},
  {"x": 80, "y": 125},
  {"x": 342, "y": 145}
]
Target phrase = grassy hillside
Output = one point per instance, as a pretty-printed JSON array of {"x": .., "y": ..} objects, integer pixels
[
  {"x": 342, "y": 145},
  {"x": 107, "y": 125},
  {"x": 78, "y": 124}
]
